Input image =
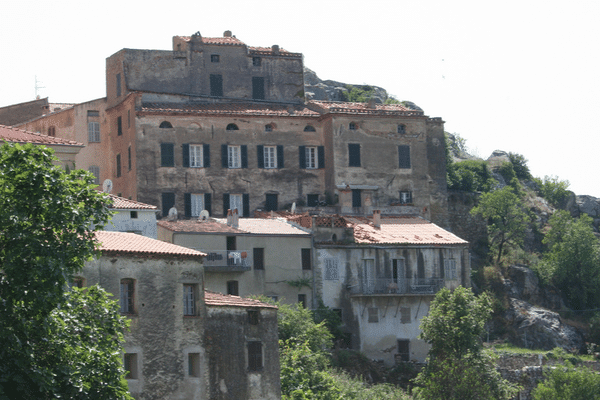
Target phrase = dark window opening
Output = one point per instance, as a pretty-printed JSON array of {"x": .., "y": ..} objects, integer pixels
[
  {"x": 119, "y": 126},
  {"x": 404, "y": 156},
  {"x": 165, "y": 125},
  {"x": 306, "y": 259},
  {"x": 373, "y": 314},
  {"x": 253, "y": 317},
  {"x": 353, "y": 155},
  {"x": 216, "y": 85},
  {"x": 232, "y": 127},
  {"x": 256, "y": 61},
  {"x": 214, "y": 58},
  {"x": 233, "y": 288},
  {"x": 401, "y": 129},
  {"x": 352, "y": 126},
  {"x": 118, "y": 165},
  {"x": 302, "y": 300},
  {"x": 312, "y": 200},
  {"x": 118, "y": 85},
  {"x": 167, "y": 156},
  {"x": 259, "y": 257},
  {"x": 255, "y": 362},
  {"x": 126, "y": 299},
  {"x": 269, "y": 128},
  {"x": 356, "y": 198},
  {"x": 168, "y": 201},
  {"x": 231, "y": 243},
  {"x": 258, "y": 88},
  {"x": 194, "y": 365},
  {"x": 403, "y": 350},
  {"x": 133, "y": 214},
  {"x": 129, "y": 158},
  {"x": 130, "y": 365},
  {"x": 52, "y": 131},
  {"x": 309, "y": 128},
  {"x": 271, "y": 202}
]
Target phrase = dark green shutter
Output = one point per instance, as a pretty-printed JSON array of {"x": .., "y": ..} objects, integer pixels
[
  {"x": 302, "y": 155},
  {"x": 185, "y": 150},
  {"x": 244, "y": 149},
  {"x": 260, "y": 156},
  {"x": 167, "y": 158},
  {"x": 208, "y": 203},
  {"x": 321, "y": 156},
  {"x": 280, "y": 156},
  {"x": 187, "y": 204},
  {"x": 246, "y": 204},
  {"x": 225, "y": 204},
  {"x": 224, "y": 162},
  {"x": 206, "y": 155}
]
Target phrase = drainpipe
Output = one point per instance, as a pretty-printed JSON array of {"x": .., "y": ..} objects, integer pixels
[{"x": 314, "y": 264}]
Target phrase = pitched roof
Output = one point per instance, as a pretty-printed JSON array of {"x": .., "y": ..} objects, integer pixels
[
  {"x": 132, "y": 244},
  {"x": 224, "y": 41},
  {"x": 341, "y": 107},
  {"x": 242, "y": 108},
  {"x": 402, "y": 230},
  {"x": 218, "y": 299},
  {"x": 126, "y": 204},
  {"x": 11, "y": 134},
  {"x": 256, "y": 226}
]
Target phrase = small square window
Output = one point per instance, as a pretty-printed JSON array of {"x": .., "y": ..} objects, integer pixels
[
  {"x": 214, "y": 58},
  {"x": 406, "y": 197},
  {"x": 233, "y": 288},
  {"x": 269, "y": 128},
  {"x": 352, "y": 126},
  {"x": 401, "y": 129},
  {"x": 133, "y": 214},
  {"x": 256, "y": 61},
  {"x": 253, "y": 316}
]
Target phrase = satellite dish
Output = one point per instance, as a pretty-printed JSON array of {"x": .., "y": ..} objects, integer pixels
[
  {"x": 203, "y": 215},
  {"x": 107, "y": 186},
  {"x": 172, "y": 214},
  {"x": 294, "y": 208}
]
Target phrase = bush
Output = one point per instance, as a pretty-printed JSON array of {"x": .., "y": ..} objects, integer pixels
[
  {"x": 553, "y": 190},
  {"x": 568, "y": 383},
  {"x": 470, "y": 176}
]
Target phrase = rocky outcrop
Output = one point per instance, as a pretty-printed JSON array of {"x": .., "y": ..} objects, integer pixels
[{"x": 522, "y": 283}]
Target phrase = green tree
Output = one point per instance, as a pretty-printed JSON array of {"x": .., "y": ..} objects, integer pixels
[
  {"x": 503, "y": 210},
  {"x": 470, "y": 176},
  {"x": 573, "y": 262},
  {"x": 457, "y": 368},
  {"x": 520, "y": 167},
  {"x": 47, "y": 222},
  {"x": 568, "y": 383},
  {"x": 554, "y": 190}
]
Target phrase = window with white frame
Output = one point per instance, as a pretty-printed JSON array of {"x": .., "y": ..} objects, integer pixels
[
  {"x": 450, "y": 269},
  {"x": 311, "y": 158},
  {"x": 236, "y": 202},
  {"x": 196, "y": 156},
  {"x": 197, "y": 204},
  {"x": 189, "y": 299},
  {"x": 93, "y": 132},
  {"x": 270, "y": 156},
  {"x": 234, "y": 157},
  {"x": 126, "y": 296},
  {"x": 406, "y": 197},
  {"x": 331, "y": 269}
]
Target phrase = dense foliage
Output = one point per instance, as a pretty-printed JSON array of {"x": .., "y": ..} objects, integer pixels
[
  {"x": 457, "y": 368},
  {"x": 52, "y": 344},
  {"x": 554, "y": 190},
  {"x": 568, "y": 383},
  {"x": 470, "y": 176}
]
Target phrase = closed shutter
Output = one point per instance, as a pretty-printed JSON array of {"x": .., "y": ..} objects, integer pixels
[
  {"x": 224, "y": 162},
  {"x": 185, "y": 151},
  {"x": 258, "y": 88},
  {"x": 244, "y": 156},
  {"x": 208, "y": 203},
  {"x": 404, "y": 156},
  {"x": 168, "y": 201},
  {"x": 302, "y": 155},
  {"x": 260, "y": 156},
  {"x": 321, "y": 156},
  {"x": 280, "y": 156},
  {"x": 206, "y": 155},
  {"x": 187, "y": 204},
  {"x": 167, "y": 158},
  {"x": 353, "y": 155},
  {"x": 216, "y": 85},
  {"x": 246, "y": 205},
  {"x": 225, "y": 204}
]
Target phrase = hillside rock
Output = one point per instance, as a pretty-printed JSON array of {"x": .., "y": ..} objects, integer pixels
[{"x": 523, "y": 284}]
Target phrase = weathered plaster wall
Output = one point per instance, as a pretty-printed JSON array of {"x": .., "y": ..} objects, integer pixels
[
  {"x": 228, "y": 355},
  {"x": 145, "y": 223}
]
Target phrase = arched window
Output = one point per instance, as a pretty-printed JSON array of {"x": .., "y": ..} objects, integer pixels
[
  {"x": 309, "y": 128},
  {"x": 232, "y": 127},
  {"x": 165, "y": 125},
  {"x": 52, "y": 131}
]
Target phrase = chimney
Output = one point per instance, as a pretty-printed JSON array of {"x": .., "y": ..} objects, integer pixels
[
  {"x": 229, "y": 217},
  {"x": 235, "y": 220},
  {"x": 275, "y": 49},
  {"x": 371, "y": 103},
  {"x": 377, "y": 218},
  {"x": 227, "y": 34}
]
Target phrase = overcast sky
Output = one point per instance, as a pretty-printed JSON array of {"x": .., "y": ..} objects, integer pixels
[{"x": 518, "y": 76}]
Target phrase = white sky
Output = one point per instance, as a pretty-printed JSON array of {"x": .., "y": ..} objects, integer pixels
[{"x": 518, "y": 76}]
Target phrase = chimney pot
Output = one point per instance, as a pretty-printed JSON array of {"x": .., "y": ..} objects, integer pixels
[
  {"x": 227, "y": 34},
  {"x": 275, "y": 49},
  {"x": 377, "y": 218}
]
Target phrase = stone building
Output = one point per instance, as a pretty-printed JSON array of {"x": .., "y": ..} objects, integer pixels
[
  {"x": 250, "y": 256},
  {"x": 181, "y": 338},
  {"x": 225, "y": 125},
  {"x": 132, "y": 216}
]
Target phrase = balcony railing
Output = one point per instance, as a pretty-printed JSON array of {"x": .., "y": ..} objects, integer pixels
[
  {"x": 227, "y": 260},
  {"x": 378, "y": 286}
]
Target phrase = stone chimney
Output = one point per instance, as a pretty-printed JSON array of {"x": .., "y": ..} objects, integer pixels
[
  {"x": 371, "y": 103},
  {"x": 235, "y": 220},
  {"x": 275, "y": 49},
  {"x": 227, "y": 34},
  {"x": 229, "y": 217},
  {"x": 377, "y": 218}
]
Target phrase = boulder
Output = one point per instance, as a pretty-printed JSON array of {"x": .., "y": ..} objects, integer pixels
[
  {"x": 523, "y": 284},
  {"x": 588, "y": 205}
]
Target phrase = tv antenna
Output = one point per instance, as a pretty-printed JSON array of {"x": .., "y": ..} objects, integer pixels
[{"x": 37, "y": 87}]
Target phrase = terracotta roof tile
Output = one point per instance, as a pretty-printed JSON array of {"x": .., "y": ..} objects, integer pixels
[
  {"x": 362, "y": 108},
  {"x": 227, "y": 41},
  {"x": 218, "y": 299},
  {"x": 126, "y": 204},
  {"x": 402, "y": 230},
  {"x": 269, "y": 51},
  {"x": 231, "y": 109},
  {"x": 132, "y": 244},
  {"x": 11, "y": 134},
  {"x": 257, "y": 226},
  {"x": 197, "y": 226}
]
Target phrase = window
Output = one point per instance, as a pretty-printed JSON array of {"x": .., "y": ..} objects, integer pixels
[
  {"x": 93, "y": 132},
  {"x": 309, "y": 128},
  {"x": 189, "y": 299},
  {"x": 216, "y": 85},
  {"x": 52, "y": 131},
  {"x": 258, "y": 88},
  {"x": 253, "y": 317},
  {"x": 194, "y": 365},
  {"x": 165, "y": 125},
  {"x": 271, "y": 202},
  {"x": 406, "y": 197},
  {"x": 118, "y": 165},
  {"x": 214, "y": 58},
  {"x": 353, "y": 155},
  {"x": 373, "y": 314},
  {"x": 197, "y": 204},
  {"x": 269, "y": 128},
  {"x": 194, "y": 203},
  {"x": 130, "y": 365},
  {"x": 118, "y": 85},
  {"x": 233, "y": 288},
  {"x": 274, "y": 298},
  {"x": 404, "y": 156},
  {"x": 232, "y": 127},
  {"x": 167, "y": 156},
  {"x": 133, "y": 214},
  {"x": 196, "y": 156},
  {"x": 450, "y": 269},
  {"x": 126, "y": 298},
  {"x": 95, "y": 170},
  {"x": 332, "y": 269},
  {"x": 302, "y": 300},
  {"x": 352, "y": 126},
  {"x": 403, "y": 350},
  {"x": 241, "y": 202},
  {"x": 306, "y": 259},
  {"x": 401, "y": 129},
  {"x": 312, "y": 157},
  {"x": 269, "y": 157},
  {"x": 119, "y": 126},
  {"x": 356, "y": 198},
  {"x": 255, "y": 356},
  {"x": 236, "y": 203},
  {"x": 405, "y": 315},
  {"x": 234, "y": 156},
  {"x": 168, "y": 201},
  {"x": 259, "y": 258},
  {"x": 129, "y": 158},
  {"x": 256, "y": 61},
  {"x": 312, "y": 200}
]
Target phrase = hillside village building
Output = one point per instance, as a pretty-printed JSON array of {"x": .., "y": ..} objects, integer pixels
[
  {"x": 184, "y": 343},
  {"x": 132, "y": 216},
  {"x": 216, "y": 124}
]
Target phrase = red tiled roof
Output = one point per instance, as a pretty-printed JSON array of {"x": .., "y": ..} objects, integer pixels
[
  {"x": 197, "y": 226},
  {"x": 257, "y": 226},
  {"x": 362, "y": 108},
  {"x": 132, "y": 244},
  {"x": 227, "y": 41},
  {"x": 269, "y": 51},
  {"x": 402, "y": 230},
  {"x": 11, "y": 134},
  {"x": 126, "y": 204},
  {"x": 231, "y": 109},
  {"x": 218, "y": 299}
]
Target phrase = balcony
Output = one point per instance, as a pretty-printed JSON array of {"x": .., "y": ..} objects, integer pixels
[
  {"x": 227, "y": 261},
  {"x": 389, "y": 286}
]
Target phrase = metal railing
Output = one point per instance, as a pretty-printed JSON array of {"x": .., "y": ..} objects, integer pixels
[
  {"x": 228, "y": 260},
  {"x": 397, "y": 286}
]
